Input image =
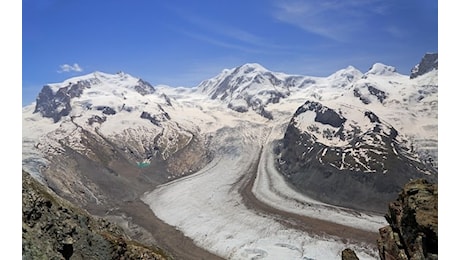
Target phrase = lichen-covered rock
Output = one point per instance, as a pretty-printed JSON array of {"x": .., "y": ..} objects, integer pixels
[
  {"x": 349, "y": 254},
  {"x": 413, "y": 219},
  {"x": 54, "y": 229}
]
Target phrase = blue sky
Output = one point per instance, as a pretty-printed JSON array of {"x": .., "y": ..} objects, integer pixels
[{"x": 181, "y": 43}]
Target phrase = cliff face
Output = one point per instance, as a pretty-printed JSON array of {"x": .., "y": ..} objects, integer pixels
[
  {"x": 428, "y": 63},
  {"x": 54, "y": 229},
  {"x": 412, "y": 232}
]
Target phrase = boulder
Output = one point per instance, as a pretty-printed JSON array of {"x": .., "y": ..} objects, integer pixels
[
  {"x": 349, "y": 254},
  {"x": 412, "y": 232}
]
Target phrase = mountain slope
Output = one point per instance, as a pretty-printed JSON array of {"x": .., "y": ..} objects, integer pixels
[
  {"x": 252, "y": 87},
  {"x": 344, "y": 150},
  {"x": 52, "y": 228},
  {"x": 99, "y": 131}
]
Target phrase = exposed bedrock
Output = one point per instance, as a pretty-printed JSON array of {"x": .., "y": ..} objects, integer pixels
[{"x": 412, "y": 232}]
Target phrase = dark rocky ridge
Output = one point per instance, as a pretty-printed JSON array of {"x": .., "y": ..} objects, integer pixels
[
  {"x": 144, "y": 88},
  {"x": 381, "y": 95},
  {"x": 359, "y": 95},
  {"x": 324, "y": 114},
  {"x": 106, "y": 110},
  {"x": 316, "y": 169},
  {"x": 52, "y": 228},
  {"x": 412, "y": 232},
  {"x": 155, "y": 119},
  {"x": 56, "y": 105},
  {"x": 428, "y": 63},
  {"x": 374, "y": 91}
]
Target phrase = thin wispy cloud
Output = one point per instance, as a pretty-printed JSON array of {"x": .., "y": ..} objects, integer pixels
[
  {"x": 219, "y": 42},
  {"x": 226, "y": 35},
  {"x": 397, "y": 32},
  {"x": 336, "y": 20},
  {"x": 69, "y": 68},
  {"x": 232, "y": 33}
]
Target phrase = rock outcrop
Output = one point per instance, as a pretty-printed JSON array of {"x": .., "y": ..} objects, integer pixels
[
  {"x": 349, "y": 254},
  {"x": 428, "y": 63},
  {"x": 56, "y": 104},
  {"x": 413, "y": 219},
  {"x": 54, "y": 229}
]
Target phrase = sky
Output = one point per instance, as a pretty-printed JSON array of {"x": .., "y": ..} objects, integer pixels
[{"x": 181, "y": 42}]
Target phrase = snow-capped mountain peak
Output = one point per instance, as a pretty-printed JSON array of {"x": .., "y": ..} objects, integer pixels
[
  {"x": 247, "y": 87},
  {"x": 382, "y": 70},
  {"x": 54, "y": 100},
  {"x": 241, "y": 73},
  {"x": 344, "y": 76},
  {"x": 250, "y": 67},
  {"x": 104, "y": 81},
  {"x": 350, "y": 70}
]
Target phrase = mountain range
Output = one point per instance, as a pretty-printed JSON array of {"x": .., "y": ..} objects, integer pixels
[{"x": 351, "y": 139}]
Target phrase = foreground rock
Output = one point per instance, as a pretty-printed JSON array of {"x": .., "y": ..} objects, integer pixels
[
  {"x": 53, "y": 229},
  {"x": 349, "y": 254},
  {"x": 413, "y": 219}
]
